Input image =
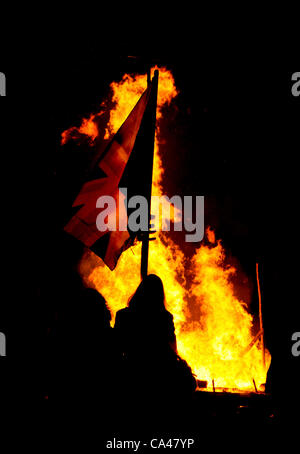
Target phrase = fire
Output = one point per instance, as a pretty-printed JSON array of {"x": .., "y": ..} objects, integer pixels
[
  {"x": 126, "y": 94},
  {"x": 217, "y": 345},
  {"x": 88, "y": 128},
  {"x": 213, "y": 327},
  {"x": 210, "y": 235}
]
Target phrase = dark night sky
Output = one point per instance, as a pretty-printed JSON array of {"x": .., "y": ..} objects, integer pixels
[{"x": 232, "y": 131}]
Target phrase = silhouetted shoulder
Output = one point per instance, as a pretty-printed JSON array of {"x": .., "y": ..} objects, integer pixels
[
  {"x": 122, "y": 312},
  {"x": 122, "y": 316},
  {"x": 169, "y": 317},
  {"x": 170, "y": 331}
]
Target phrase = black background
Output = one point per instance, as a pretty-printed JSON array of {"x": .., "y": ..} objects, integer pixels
[{"x": 235, "y": 135}]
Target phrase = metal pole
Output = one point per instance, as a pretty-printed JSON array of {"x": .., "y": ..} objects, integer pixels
[
  {"x": 145, "y": 235},
  {"x": 260, "y": 319},
  {"x": 254, "y": 385}
]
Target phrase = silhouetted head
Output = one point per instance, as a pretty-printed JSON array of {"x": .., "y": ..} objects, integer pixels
[
  {"x": 149, "y": 295},
  {"x": 95, "y": 307}
]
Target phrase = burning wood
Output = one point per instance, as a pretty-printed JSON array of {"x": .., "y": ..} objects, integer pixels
[
  {"x": 254, "y": 340},
  {"x": 202, "y": 384}
]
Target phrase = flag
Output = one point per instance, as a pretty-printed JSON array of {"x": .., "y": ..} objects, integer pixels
[{"x": 126, "y": 162}]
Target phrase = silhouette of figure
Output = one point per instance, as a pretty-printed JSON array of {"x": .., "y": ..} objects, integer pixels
[
  {"x": 83, "y": 352},
  {"x": 152, "y": 370},
  {"x": 145, "y": 325}
]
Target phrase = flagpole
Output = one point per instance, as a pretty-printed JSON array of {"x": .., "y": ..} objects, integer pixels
[
  {"x": 260, "y": 319},
  {"x": 145, "y": 236}
]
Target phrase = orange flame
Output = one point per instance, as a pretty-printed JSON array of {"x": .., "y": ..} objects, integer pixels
[
  {"x": 88, "y": 128},
  {"x": 210, "y": 235},
  {"x": 213, "y": 327},
  {"x": 217, "y": 345}
]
